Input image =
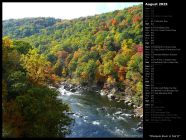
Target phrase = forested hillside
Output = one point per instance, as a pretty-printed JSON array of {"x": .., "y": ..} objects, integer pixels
[{"x": 104, "y": 50}]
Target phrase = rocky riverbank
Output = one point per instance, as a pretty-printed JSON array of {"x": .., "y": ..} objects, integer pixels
[
  {"x": 112, "y": 93},
  {"x": 118, "y": 96}
]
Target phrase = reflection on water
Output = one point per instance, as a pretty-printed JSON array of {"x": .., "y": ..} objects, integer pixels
[{"x": 96, "y": 116}]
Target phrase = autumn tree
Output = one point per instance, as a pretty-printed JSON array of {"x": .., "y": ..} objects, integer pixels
[
  {"x": 37, "y": 67},
  {"x": 27, "y": 106}
]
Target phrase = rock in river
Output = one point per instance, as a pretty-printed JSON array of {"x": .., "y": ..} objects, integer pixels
[
  {"x": 140, "y": 124},
  {"x": 139, "y": 129},
  {"x": 117, "y": 113},
  {"x": 102, "y": 108},
  {"x": 111, "y": 96},
  {"x": 73, "y": 90},
  {"x": 129, "y": 104}
]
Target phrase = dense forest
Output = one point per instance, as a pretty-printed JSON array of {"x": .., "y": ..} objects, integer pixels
[{"x": 104, "y": 50}]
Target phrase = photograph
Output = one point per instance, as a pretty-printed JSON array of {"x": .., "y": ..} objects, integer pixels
[{"x": 72, "y": 69}]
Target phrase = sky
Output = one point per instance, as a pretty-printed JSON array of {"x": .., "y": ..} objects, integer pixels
[{"x": 60, "y": 10}]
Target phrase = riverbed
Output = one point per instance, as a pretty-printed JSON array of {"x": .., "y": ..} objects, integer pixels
[{"x": 97, "y": 116}]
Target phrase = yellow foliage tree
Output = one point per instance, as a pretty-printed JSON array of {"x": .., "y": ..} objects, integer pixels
[
  {"x": 128, "y": 47},
  {"x": 111, "y": 80},
  {"x": 37, "y": 67}
]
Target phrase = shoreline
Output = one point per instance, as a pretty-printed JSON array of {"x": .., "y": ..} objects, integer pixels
[{"x": 112, "y": 94}]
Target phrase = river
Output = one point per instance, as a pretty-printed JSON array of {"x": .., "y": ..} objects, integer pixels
[{"x": 97, "y": 116}]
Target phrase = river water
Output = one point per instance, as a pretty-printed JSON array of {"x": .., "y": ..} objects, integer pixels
[{"x": 97, "y": 116}]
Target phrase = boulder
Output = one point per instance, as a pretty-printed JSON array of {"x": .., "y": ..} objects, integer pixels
[
  {"x": 117, "y": 113},
  {"x": 127, "y": 115},
  {"x": 139, "y": 129},
  {"x": 111, "y": 96},
  {"x": 116, "y": 98},
  {"x": 134, "y": 106},
  {"x": 97, "y": 91},
  {"x": 102, "y": 108},
  {"x": 73, "y": 90},
  {"x": 139, "y": 112},
  {"x": 113, "y": 91},
  {"x": 102, "y": 93},
  {"x": 122, "y": 99},
  {"x": 126, "y": 101},
  {"x": 70, "y": 113},
  {"x": 129, "y": 104},
  {"x": 140, "y": 124},
  {"x": 65, "y": 86}
]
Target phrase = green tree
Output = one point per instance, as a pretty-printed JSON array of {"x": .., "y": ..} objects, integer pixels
[
  {"x": 121, "y": 60},
  {"x": 108, "y": 68},
  {"x": 86, "y": 71},
  {"x": 100, "y": 38},
  {"x": 21, "y": 46},
  {"x": 136, "y": 63}
]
